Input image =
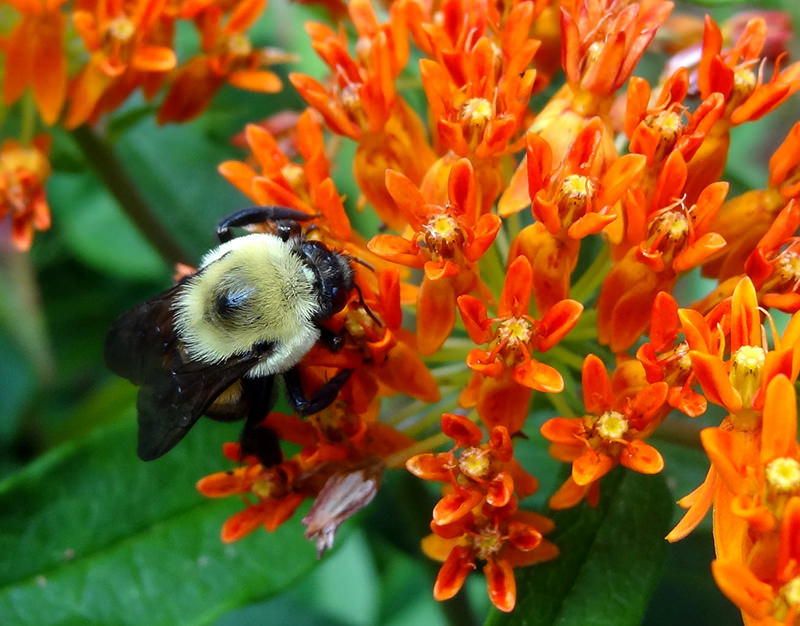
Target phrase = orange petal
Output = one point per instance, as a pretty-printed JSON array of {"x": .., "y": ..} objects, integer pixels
[
  {"x": 501, "y": 584},
  {"x": 516, "y": 295},
  {"x": 436, "y": 314},
  {"x": 154, "y": 59},
  {"x": 745, "y": 316},
  {"x": 698, "y": 503},
  {"x": 485, "y": 233},
  {"x": 779, "y": 423},
  {"x": 713, "y": 378},
  {"x": 473, "y": 313},
  {"x": 597, "y": 394},
  {"x": 429, "y": 466},
  {"x": 455, "y": 505},
  {"x": 591, "y": 466},
  {"x": 752, "y": 596},
  {"x": 642, "y": 457},
  {"x": 453, "y": 572},
  {"x": 503, "y": 402},
  {"x": 568, "y": 495},
  {"x": 564, "y": 430},
  {"x": 500, "y": 490},
  {"x": 244, "y": 522},
  {"x": 260, "y": 81},
  {"x": 557, "y": 322},
  {"x": 538, "y": 376},
  {"x": 396, "y": 249},
  {"x": 461, "y": 429}
]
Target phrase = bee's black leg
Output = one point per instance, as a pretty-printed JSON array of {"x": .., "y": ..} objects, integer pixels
[
  {"x": 256, "y": 439},
  {"x": 331, "y": 340},
  {"x": 322, "y": 398},
  {"x": 284, "y": 217}
]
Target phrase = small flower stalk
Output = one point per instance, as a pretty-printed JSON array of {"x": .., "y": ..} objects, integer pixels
[{"x": 528, "y": 255}]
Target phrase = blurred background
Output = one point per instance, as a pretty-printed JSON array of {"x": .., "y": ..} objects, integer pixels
[{"x": 84, "y": 500}]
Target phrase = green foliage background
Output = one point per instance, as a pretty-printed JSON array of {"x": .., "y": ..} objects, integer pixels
[{"x": 89, "y": 534}]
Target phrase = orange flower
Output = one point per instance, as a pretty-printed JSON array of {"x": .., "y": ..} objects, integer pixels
[
  {"x": 23, "y": 171},
  {"x": 732, "y": 73},
  {"x": 274, "y": 489},
  {"x": 756, "y": 535},
  {"x": 35, "y": 49},
  {"x": 656, "y": 130},
  {"x": 669, "y": 238},
  {"x": 774, "y": 266},
  {"x": 228, "y": 56},
  {"x": 117, "y": 36},
  {"x": 362, "y": 96},
  {"x": 740, "y": 382},
  {"x": 613, "y": 430},
  {"x": 511, "y": 540},
  {"x": 743, "y": 220},
  {"x": 666, "y": 359},
  {"x": 505, "y": 374},
  {"x": 479, "y": 86},
  {"x": 603, "y": 40},
  {"x": 479, "y": 473},
  {"x": 447, "y": 240}
]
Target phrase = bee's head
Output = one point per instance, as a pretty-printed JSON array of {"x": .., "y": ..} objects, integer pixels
[{"x": 334, "y": 273}]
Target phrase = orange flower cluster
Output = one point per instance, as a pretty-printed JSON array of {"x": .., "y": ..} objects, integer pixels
[
  {"x": 517, "y": 244},
  {"x": 462, "y": 256},
  {"x": 82, "y": 60}
]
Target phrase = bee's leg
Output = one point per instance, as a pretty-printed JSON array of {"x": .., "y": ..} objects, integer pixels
[
  {"x": 285, "y": 220},
  {"x": 256, "y": 439},
  {"x": 331, "y": 340},
  {"x": 322, "y": 398}
]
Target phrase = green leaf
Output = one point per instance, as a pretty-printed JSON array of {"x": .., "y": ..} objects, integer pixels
[
  {"x": 90, "y": 534},
  {"x": 611, "y": 559},
  {"x": 97, "y": 232}
]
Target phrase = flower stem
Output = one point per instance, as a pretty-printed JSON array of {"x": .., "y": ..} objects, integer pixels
[
  {"x": 397, "y": 459},
  {"x": 28, "y": 119},
  {"x": 108, "y": 167},
  {"x": 585, "y": 286}
]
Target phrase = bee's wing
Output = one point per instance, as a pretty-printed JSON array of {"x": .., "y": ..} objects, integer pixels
[
  {"x": 172, "y": 399},
  {"x": 140, "y": 338},
  {"x": 174, "y": 391}
]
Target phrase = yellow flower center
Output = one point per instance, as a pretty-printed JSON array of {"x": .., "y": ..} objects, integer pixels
[
  {"x": 487, "y": 543},
  {"x": 745, "y": 376},
  {"x": 442, "y": 235},
  {"x": 612, "y": 425},
  {"x": 515, "y": 330},
  {"x": 476, "y": 112},
  {"x": 239, "y": 45},
  {"x": 783, "y": 474},
  {"x": 790, "y": 592},
  {"x": 121, "y": 28},
  {"x": 475, "y": 462},
  {"x": 669, "y": 126},
  {"x": 263, "y": 488},
  {"x": 789, "y": 267},
  {"x": 744, "y": 82},
  {"x": 572, "y": 196}
]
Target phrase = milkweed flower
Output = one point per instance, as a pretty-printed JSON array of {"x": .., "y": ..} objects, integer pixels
[
  {"x": 612, "y": 432},
  {"x": 35, "y": 49},
  {"x": 477, "y": 517},
  {"x": 23, "y": 203},
  {"x": 505, "y": 375}
]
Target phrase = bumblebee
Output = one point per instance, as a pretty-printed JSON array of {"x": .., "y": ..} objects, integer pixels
[{"x": 214, "y": 343}]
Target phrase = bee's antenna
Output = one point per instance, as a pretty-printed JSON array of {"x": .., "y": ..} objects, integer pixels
[
  {"x": 362, "y": 262},
  {"x": 364, "y": 304}
]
